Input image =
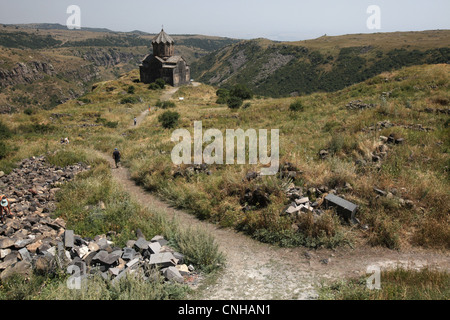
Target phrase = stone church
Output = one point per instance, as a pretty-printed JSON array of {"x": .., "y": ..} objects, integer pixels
[{"x": 164, "y": 64}]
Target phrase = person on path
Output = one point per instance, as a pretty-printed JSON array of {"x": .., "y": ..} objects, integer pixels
[
  {"x": 116, "y": 156},
  {"x": 135, "y": 121},
  {"x": 5, "y": 209}
]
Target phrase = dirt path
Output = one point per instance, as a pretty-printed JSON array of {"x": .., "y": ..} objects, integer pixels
[{"x": 260, "y": 271}]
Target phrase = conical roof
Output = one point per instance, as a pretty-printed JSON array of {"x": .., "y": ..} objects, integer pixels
[{"x": 162, "y": 37}]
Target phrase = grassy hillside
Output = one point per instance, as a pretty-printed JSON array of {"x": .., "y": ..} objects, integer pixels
[
  {"x": 411, "y": 103},
  {"x": 325, "y": 64}
]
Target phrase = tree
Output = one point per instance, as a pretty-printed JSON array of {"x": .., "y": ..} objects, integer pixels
[
  {"x": 234, "y": 102},
  {"x": 169, "y": 119},
  {"x": 241, "y": 91}
]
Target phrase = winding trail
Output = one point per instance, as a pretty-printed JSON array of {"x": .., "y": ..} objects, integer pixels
[{"x": 260, "y": 271}]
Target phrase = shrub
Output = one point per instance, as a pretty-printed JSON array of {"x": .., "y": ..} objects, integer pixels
[
  {"x": 169, "y": 119},
  {"x": 222, "y": 100},
  {"x": 84, "y": 100},
  {"x": 165, "y": 104},
  {"x": 234, "y": 102},
  {"x": 111, "y": 124},
  {"x": 153, "y": 86},
  {"x": 28, "y": 111},
  {"x": 131, "y": 89},
  {"x": 160, "y": 83},
  {"x": 223, "y": 93},
  {"x": 129, "y": 100},
  {"x": 241, "y": 91},
  {"x": 296, "y": 106}
]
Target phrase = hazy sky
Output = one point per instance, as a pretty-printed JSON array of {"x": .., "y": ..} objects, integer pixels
[{"x": 273, "y": 19}]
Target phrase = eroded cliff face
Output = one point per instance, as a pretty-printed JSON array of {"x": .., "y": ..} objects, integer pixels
[
  {"x": 25, "y": 73},
  {"x": 39, "y": 80},
  {"x": 110, "y": 57}
]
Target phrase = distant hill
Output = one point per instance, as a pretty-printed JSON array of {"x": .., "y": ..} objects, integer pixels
[{"x": 325, "y": 64}]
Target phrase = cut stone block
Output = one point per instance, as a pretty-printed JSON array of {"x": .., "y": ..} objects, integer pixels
[
  {"x": 302, "y": 200},
  {"x": 292, "y": 209},
  {"x": 157, "y": 238},
  {"x": 165, "y": 259},
  {"x": 93, "y": 246},
  {"x": 179, "y": 257},
  {"x": 25, "y": 255},
  {"x": 128, "y": 254},
  {"x": 69, "y": 239},
  {"x": 132, "y": 263},
  {"x": 172, "y": 274},
  {"x": 344, "y": 208},
  {"x": 162, "y": 242},
  {"x": 183, "y": 269},
  {"x": 154, "y": 247},
  {"x": 141, "y": 244}
]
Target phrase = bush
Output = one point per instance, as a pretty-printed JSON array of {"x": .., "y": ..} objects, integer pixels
[
  {"x": 234, "y": 102},
  {"x": 223, "y": 93},
  {"x": 160, "y": 83},
  {"x": 84, "y": 100},
  {"x": 241, "y": 91},
  {"x": 169, "y": 119},
  {"x": 222, "y": 100},
  {"x": 129, "y": 100},
  {"x": 111, "y": 124},
  {"x": 153, "y": 86},
  {"x": 165, "y": 104},
  {"x": 296, "y": 106},
  {"x": 131, "y": 89},
  {"x": 28, "y": 111}
]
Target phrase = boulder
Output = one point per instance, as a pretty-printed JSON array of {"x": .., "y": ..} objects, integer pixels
[{"x": 23, "y": 268}]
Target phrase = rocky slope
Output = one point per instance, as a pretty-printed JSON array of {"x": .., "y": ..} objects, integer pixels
[{"x": 30, "y": 240}]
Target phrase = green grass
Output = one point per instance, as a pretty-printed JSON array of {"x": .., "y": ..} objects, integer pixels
[{"x": 398, "y": 284}]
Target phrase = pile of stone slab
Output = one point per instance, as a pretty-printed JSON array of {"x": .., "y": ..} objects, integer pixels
[
  {"x": 387, "y": 124},
  {"x": 31, "y": 241},
  {"x": 31, "y": 187},
  {"x": 359, "y": 105},
  {"x": 191, "y": 170},
  {"x": 301, "y": 204}
]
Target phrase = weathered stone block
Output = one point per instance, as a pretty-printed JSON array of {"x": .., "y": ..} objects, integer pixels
[
  {"x": 154, "y": 247},
  {"x": 344, "y": 208},
  {"x": 141, "y": 244},
  {"x": 172, "y": 274},
  {"x": 69, "y": 239},
  {"x": 165, "y": 259},
  {"x": 25, "y": 255}
]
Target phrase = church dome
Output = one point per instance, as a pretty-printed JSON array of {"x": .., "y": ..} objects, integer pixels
[{"x": 162, "y": 37}]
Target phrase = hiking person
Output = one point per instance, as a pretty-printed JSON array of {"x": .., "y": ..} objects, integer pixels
[
  {"x": 116, "y": 156},
  {"x": 135, "y": 121},
  {"x": 5, "y": 209}
]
